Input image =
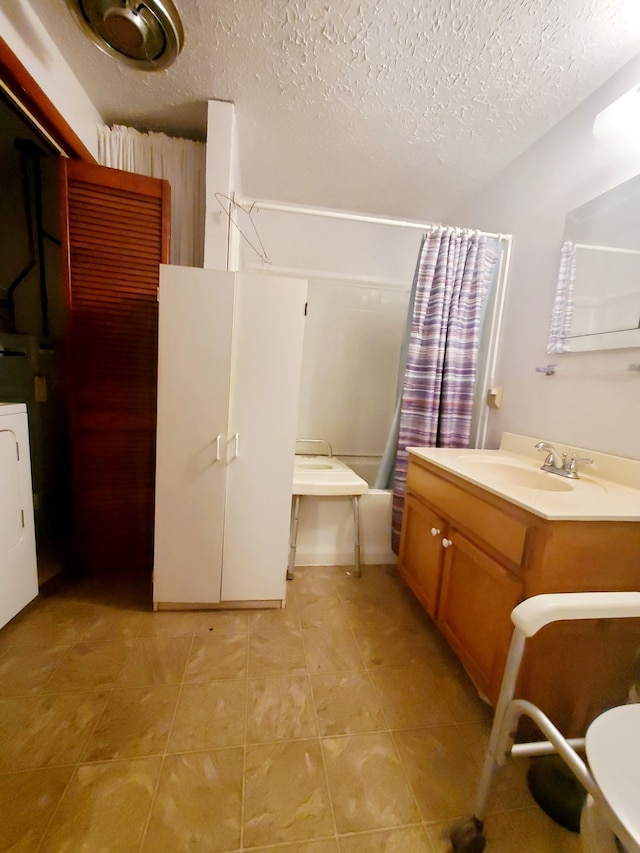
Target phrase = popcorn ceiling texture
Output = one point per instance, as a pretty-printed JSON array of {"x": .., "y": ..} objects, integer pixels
[{"x": 397, "y": 107}]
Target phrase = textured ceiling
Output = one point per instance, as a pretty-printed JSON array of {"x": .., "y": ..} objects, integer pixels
[{"x": 397, "y": 107}]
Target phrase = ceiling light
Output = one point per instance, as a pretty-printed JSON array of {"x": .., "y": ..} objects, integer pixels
[
  {"x": 144, "y": 34},
  {"x": 618, "y": 126}
]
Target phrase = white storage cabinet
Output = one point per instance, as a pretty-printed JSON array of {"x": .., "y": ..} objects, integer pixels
[{"x": 229, "y": 357}]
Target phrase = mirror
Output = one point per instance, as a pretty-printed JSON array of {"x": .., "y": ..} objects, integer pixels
[{"x": 597, "y": 302}]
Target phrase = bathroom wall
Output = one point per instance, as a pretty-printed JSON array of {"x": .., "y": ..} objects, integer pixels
[
  {"x": 28, "y": 39},
  {"x": 593, "y": 400}
]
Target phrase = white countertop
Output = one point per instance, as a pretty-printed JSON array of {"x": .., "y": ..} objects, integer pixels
[{"x": 608, "y": 490}]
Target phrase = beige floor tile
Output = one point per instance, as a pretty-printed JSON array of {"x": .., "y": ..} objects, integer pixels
[
  {"x": 276, "y": 653},
  {"x": 369, "y": 789},
  {"x": 54, "y": 731},
  {"x": 280, "y": 709},
  {"x": 28, "y": 800},
  {"x": 90, "y": 666},
  {"x": 442, "y": 773},
  {"x": 13, "y": 714},
  {"x": 134, "y": 722},
  {"x": 217, "y": 657},
  {"x": 539, "y": 834},
  {"x": 333, "y": 650},
  {"x": 476, "y": 736},
  {"x": 105, "y": 808},
  {"x": 322, "y": 611},
  {"x": 409, "y": 697},
  {"x": 346, "y": 703},
  {"x": 275, "y": 619},
  {"x": 222, "y": 622},
  {"x": 387, "y": 611},
  {"x": 417, "y": 696},
  {"x": 286, "y": 796},
  {"x": 316, "y": 580},
  {"x": 50, "y": 623},
  {"x": 155, "y": 660},
  {"x": 324, "y": 845},
  {"x": 209, "y": 715},
  {"x": 164, "y": 623},
  {"x": 407, "y": 840},
  {"x": 198, "y": 803},
  {"x": 376, "y": 580},
  {"x": 397, "y": 647},
  {"x": 26, "y": 669},
  {"x": 68, "y": 637},
  {"x": 111, "y": 623}
]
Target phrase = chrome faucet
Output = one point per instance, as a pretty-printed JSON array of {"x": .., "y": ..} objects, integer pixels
[{"x": 557, "y": 463}]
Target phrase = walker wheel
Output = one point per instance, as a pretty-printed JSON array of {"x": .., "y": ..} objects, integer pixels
[{"x": 466, "y": 836}]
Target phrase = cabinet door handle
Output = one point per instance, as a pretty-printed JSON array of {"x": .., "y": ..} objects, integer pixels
[
  {"x": 435, "y": 531},
  {"x": 236, "y": 449},
  {"x": 218, "y": 439},
  {"x": 446, "y": 543}
]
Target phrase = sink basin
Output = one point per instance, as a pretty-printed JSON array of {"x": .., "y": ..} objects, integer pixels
[{"x": 500, "y": 472}]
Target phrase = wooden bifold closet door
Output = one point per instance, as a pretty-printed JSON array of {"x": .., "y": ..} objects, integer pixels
[{"x": 115, "y": 228}]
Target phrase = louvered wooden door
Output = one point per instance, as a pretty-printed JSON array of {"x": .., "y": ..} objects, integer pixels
[{"x": 115, "y": 232}]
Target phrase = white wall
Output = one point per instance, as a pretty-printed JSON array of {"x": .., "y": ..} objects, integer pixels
[
  {"x": 593, "y": 401},
  {"x": 28, "y": 39}
]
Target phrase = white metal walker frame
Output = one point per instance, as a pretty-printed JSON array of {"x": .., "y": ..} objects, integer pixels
[{"x": 529, "y": 617}]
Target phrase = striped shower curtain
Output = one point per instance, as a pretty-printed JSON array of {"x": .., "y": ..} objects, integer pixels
[
  {"x": 562, "y": 314},
  {"x": 452, "y": 277}
]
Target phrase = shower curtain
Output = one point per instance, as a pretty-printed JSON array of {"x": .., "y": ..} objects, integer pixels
[
  {"x": 562, "y": 314},
  {"x": 452, "y": 277},
  {"x": 179, "y": 161}
]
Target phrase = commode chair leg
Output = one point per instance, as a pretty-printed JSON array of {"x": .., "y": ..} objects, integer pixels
[
  {"x": 528, "y": 618},
  {"x": 356, "y": 535},
  {"x": 293, "y": 539}
]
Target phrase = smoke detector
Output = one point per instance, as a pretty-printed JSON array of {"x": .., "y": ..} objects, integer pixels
[{"x": 144, "y": 34}]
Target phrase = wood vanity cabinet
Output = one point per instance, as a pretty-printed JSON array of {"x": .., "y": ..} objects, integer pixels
[{"x": 470, "y": 556}]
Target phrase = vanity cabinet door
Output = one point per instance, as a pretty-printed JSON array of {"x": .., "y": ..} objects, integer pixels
[
  {"x": 421, "y": 552},
  {"x": 476, "y": 600}
]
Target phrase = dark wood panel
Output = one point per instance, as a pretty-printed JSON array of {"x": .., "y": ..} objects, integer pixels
[{"x": 115, "y": 225}]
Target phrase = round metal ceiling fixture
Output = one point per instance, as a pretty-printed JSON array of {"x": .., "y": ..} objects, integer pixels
[{"x": 145, "y": 34}]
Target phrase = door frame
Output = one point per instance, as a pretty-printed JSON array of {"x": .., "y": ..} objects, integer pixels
[{"x": 30, "y": 100}]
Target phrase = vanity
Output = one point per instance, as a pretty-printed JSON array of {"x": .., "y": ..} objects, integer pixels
[{"x": 484, "y": 529}]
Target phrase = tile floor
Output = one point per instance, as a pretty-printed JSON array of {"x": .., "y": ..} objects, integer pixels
[{"x": 341, "y": 723}]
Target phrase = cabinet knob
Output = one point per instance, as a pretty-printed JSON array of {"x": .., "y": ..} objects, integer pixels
[
  {"x": 435, "y": 531},
  {"x": 446, "y": 543}
]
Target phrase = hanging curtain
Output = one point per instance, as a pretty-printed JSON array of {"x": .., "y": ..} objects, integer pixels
[
  {"x": 562, "y": 314},
  {"x": 179, "y": 161},
  {"x": 454, "y": 270}
]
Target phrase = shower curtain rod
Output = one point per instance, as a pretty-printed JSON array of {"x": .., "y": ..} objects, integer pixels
[
  {"x": 255, "y": 204},
  {"x": 607, "y": 249}
]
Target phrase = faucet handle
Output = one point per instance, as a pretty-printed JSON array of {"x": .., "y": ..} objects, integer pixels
[{"x": 571, "y": 464}]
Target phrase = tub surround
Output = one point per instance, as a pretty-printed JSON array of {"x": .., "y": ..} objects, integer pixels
[{"x": 474, "y": 545}]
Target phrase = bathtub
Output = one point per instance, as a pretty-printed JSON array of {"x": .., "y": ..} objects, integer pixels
[{"x": 325, "y": 524}]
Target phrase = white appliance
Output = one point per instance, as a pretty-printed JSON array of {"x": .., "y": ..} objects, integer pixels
[
  {"x": 18, "y": 565},
  {"x": 229, "y": 359}
]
